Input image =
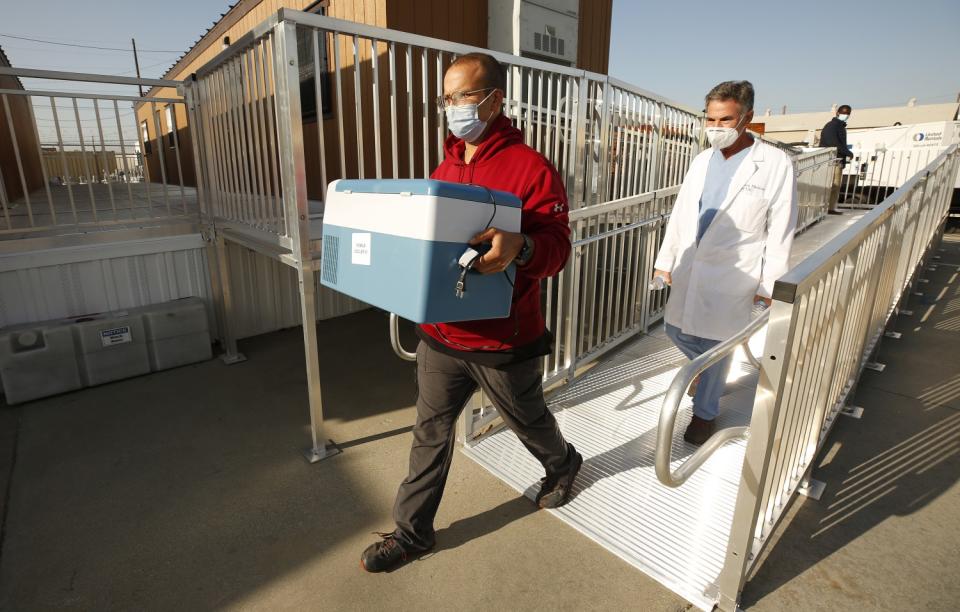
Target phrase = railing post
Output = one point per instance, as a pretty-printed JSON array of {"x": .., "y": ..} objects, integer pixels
[
  {"x": 572, "y": 296},
  {"x": 580, "y": 146},
  {"x": 761, "y": 445},
  {"x": 603, "y": 180},
  {"x": 657, "y": 138},
  {"x": 293, "y": 181},
  {"x": 216, "y": 252}
]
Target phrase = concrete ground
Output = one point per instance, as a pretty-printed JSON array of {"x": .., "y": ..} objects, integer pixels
[{"x": 185, "y": 490}]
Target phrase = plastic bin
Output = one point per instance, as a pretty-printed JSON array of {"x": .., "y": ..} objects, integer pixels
[{"x": 38, "y": 361}]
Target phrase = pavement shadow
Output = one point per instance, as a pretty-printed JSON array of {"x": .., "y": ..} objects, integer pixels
[
  {"x": 901, "y": 456},
  {"x": 489, "y": 521}
]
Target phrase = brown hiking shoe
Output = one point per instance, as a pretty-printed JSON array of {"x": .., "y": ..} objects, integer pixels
[
  {"x": 555, "y": 491},
  {"x": 699, "y": 430}
]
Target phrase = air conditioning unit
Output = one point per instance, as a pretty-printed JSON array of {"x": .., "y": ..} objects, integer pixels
[{"x": 545, "y": 30}]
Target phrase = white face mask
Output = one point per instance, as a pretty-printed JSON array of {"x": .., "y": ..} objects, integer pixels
[
  {"x": 723, "y": 137},
  {"x": 843, "y": 117},
  {"x": 464, "y": 120}
]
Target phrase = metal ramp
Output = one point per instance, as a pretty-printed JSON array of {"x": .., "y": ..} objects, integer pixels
[{"x": 676, "y": 536}]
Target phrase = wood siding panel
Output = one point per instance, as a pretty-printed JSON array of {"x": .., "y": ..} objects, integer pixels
[
  {"x": 593, "y": 38},
  {"x": 27, "y": 145}
]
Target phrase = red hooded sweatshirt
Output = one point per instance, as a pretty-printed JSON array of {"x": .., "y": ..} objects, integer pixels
[{"x": 503, "y": 162}]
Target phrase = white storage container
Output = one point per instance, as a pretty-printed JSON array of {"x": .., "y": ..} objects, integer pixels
[
  {"x": 111, "y": 346},
  {"x": 177, "y": 333},
  {"x": 38, "y": 361}
]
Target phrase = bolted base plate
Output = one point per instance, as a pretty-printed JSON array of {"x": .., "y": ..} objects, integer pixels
[
  {"x": 812, "y": 488},
  {"x": 316, "y": 455}
]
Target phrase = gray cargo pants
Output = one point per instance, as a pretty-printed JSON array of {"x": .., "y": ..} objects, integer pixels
[{"x": 445, "y": 385}]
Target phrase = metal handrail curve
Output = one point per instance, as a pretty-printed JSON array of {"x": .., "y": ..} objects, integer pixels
[
  {"x": 395, "y": 340},
  {"x": 671, "y": 406}
]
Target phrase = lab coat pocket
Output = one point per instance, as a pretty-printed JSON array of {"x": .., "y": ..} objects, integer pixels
[{"x": 749, "y": 213}]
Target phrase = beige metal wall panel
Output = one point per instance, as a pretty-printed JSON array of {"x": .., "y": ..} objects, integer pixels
[
  {"x": 71, "y": 289},
  {"x": 265, "y": 290},
  {"x": 266, "y": 296}
]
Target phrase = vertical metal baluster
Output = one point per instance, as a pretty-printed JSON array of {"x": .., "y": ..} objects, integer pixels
[
  {"x": 358, "y": 106},
  {"x": 375, "y": 62},
  {"x": 16, "y": 153},
  {"x": 569, "y": 135},
  {"x": 215, "y": 117},
  {"x": 426, "y": 116},
  {"x": 176, "y": 154},
  {"x": 249, "y": 152},
  {"x": 411, "y": 157},
  {"x": 239, "y": 134},
  {"x": 441, "y": 130},
  {"x": 252, "y": 89},
  {"x": 83, "y": 157},
  {"x": 338, "y": 68},
  {"x": 142, "y": 140},
  {"x": 202, "y": 111},
  {"x": 123, "y": 154},
  {"x": 538, "y": 138},
  {"x": 230, "y": 155},
  {"x": 528, "y": 131},
  {"x": 103, "y": 151},
  {"x": 258, "y": 128},
  {"x": 269, "y": 91},
  {"x": 619, "y": 149},
  {"x": 318, "y": 73},
  {"x": 557, "y": 82},
  {"x": 163, "y": 160},
  {"x": 43, "y": 166},
  {"x": 394, "y": 141}
]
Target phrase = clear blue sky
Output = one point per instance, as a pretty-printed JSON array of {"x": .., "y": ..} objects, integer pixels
[{"x": 805, "y": 54}]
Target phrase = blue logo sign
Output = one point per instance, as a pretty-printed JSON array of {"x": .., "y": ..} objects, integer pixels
[{"x": 919, "y": 136}]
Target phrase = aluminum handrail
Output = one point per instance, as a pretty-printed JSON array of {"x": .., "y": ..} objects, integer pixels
[
  {"x": 59, "y": 75},
  {"x": 800, "y": 277},
  {"x": 401, "y": 352},
  {"x": 671, "y": 407}
]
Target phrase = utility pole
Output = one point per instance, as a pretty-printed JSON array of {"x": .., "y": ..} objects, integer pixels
[{"x": 136, "y": 62}]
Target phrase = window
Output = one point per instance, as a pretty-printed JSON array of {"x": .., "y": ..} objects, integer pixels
[
  {"x": 145, "y": 137},
  {"x": 308, "y": 86},
  {"x": 171, "y": 126}
]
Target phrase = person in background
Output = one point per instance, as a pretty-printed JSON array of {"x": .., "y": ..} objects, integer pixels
[
  {"x": 834, "y": 134},
  {"x": 728, "y": 239}
]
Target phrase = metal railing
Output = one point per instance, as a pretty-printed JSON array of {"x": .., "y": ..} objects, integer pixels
[
  {"x": 827, "y": 318},
  {"x": 303, "y": 99},
  {"x": 374, "y": 93},
  {"x": 600, "y": 300},
  {"x": 814, "y": 171},
  {"x": 80, "y": 156},
  {"x": 872, "y": 175},
  {"x": 671, "y": 407}
]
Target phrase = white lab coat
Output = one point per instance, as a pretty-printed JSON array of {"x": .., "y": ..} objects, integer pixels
[{"x": 743, "y": 251}]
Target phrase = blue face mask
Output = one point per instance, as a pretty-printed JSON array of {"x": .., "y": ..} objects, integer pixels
[
  {"x": 464, "y": 120},
  {"x": 843, "y": 117}
]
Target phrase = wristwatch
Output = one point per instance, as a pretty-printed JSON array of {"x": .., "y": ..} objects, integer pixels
[{"x": 526, "y": 252}]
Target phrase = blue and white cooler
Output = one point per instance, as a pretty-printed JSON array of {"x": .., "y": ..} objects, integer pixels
[{"x": 397, "y": 245}]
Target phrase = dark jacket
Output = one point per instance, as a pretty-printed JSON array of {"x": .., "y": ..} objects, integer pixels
[
  {"x": 834, "y": 134},
  {"x": 505, "y": 163}
]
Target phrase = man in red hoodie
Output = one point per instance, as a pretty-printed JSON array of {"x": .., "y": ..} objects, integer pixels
[{"x": 500, "y": 356}]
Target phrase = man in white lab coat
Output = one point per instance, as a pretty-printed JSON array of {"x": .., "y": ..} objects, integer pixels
[{"x": 728, "y": 239}]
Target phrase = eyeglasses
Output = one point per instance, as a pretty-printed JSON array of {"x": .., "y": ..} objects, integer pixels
[{"x": 456, "y": 98}]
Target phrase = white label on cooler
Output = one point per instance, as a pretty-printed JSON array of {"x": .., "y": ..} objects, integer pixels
[
  {"x": 360, "y": 251},
  {"x": 116, "y": 335}
]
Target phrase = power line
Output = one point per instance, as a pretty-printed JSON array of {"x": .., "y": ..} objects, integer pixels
[{"x": 62, "y": 44}]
